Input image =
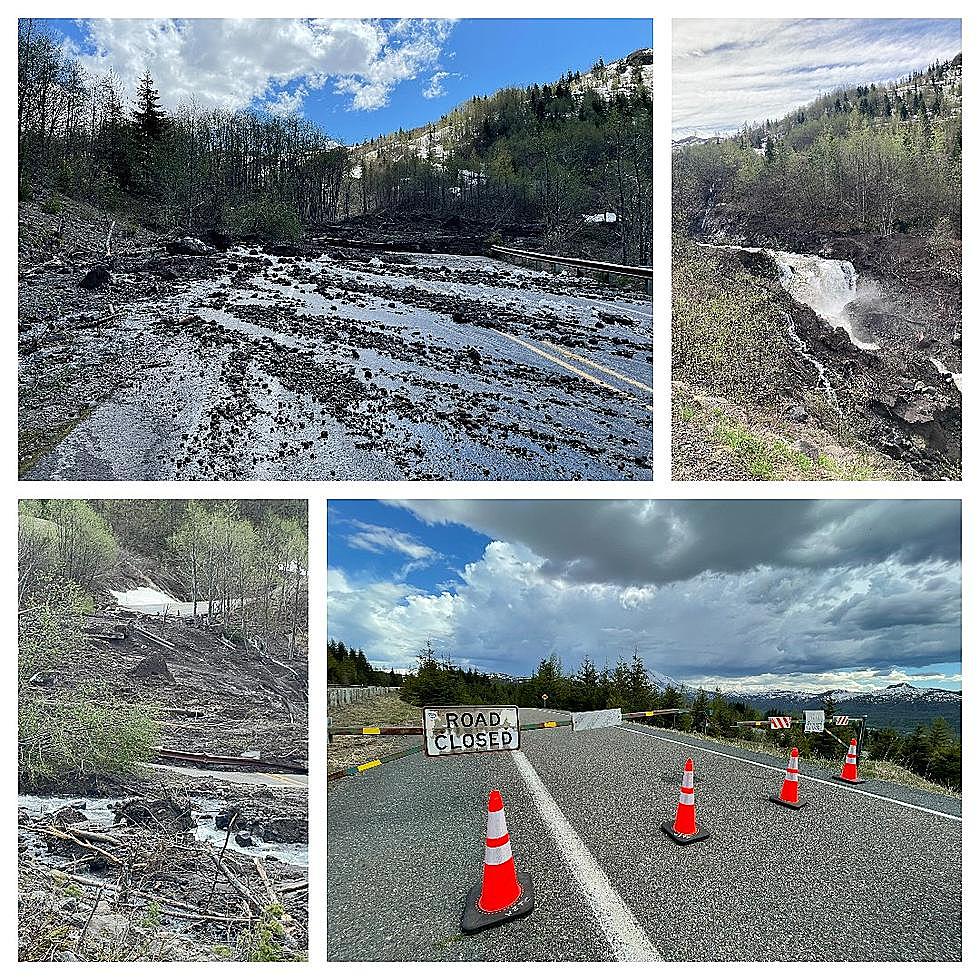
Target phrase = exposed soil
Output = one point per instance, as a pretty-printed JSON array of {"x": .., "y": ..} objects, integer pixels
[
  {"x": 174, "y": 862},
  {"x": 900, "y": 399}
]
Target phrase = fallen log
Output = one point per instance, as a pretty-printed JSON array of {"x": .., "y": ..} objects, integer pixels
[{"x": 243, "y": 763}]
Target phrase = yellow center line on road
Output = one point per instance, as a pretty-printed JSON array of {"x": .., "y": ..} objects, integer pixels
[
  {"x": 572, "y": 368},
  {"x": 599, "y": 367}
]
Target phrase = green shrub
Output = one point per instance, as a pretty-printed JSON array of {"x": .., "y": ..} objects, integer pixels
[{"x": 81, "y": 735}]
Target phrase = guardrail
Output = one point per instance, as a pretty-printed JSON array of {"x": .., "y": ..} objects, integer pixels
[
  {"x": 337, "y": 696},
  {"x": 355, "y": 730},
  {"x": 603, "y": 270}
]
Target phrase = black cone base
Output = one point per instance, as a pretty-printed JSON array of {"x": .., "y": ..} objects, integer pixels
[
  {"x": 668, "y": 829},
  {"x": 476, "y": 920},
  {"x": 847, "y": 782},
  {"x": 790, "y": 806}
]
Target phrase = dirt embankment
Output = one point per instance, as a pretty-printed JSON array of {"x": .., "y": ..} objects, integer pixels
[
  {"x": 899, "y": 396},
  {"x": 174, "y": 863}
]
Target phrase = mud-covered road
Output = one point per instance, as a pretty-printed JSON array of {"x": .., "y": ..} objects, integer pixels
[{"x": 348, "y": 365}]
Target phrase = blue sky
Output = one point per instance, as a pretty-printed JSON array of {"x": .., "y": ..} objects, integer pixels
[
  {"x": 376, "y": 541},
  {"x": 730, "y": 72},
  {"x": 356, "y": 79},
  {"x": 739, "y": 594}
]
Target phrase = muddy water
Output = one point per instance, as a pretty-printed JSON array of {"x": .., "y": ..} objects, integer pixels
[
  {"x": 402, "y": 367},
  {"x": 100, "y": 814}
]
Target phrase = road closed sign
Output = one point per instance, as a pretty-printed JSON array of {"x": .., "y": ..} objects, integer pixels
[
  {"x": 814, "y": 721},
  {"x": 470, "y": 728}
]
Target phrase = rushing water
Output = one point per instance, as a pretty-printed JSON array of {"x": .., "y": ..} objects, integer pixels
[
  {"x": 827, "y": 286},
  {"x": 100, "y": 813}
]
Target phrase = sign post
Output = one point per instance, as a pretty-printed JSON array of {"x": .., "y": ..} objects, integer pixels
[{"x": 467, "y": 729}]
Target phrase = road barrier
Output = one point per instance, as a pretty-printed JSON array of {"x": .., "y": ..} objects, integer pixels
[
  {"x": 605, "y": 271},
  {"x": 396, "y": 730},
  {"x": 238, "y": 762}
]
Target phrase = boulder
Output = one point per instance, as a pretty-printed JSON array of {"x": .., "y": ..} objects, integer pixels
[
  {"x": 96, "y": 278},
  {"x": 219, "y": 240},
  {"x": 188, "y": 246}
]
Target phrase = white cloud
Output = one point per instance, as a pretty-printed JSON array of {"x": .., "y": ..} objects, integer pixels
[
  {"x": 850, "y": 624},
  {"x": 729, "y": 72},
  {"x": 437, "y": 84},
  {"x": 234, "y": 63},
  {"x": 378, "y": 539}
]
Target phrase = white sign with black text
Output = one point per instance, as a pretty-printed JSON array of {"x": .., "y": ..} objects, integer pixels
[{"x": 468, "y": 728}]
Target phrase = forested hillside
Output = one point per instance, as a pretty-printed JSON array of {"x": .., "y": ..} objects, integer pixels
[
  {"x": 157, "y": 639},
  {"x": 81, "y": 136},
  {"x": 874, "y": 159},
  {"x": 569, "y": 157},
  {"x": 540, "y": 160}
]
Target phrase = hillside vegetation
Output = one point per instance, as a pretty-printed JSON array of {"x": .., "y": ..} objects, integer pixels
[
  {"x": 534, "y": 161},
  {"x": 541, "y": 160},
  {"x": 870, "y": 159},
  {"x": 867, "y": 180}
]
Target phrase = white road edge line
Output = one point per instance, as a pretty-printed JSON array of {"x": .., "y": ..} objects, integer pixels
[
  {"x": 626, "y": 937},
  {"x": 812, "y": 779}
]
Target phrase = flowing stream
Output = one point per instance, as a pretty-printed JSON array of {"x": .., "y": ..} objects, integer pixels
[
  {"x": 827, "y": 286},
  {"x": 100, "y": 814}
]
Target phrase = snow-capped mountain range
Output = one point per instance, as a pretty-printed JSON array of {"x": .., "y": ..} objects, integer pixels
[{"x": 892, "y": 693}]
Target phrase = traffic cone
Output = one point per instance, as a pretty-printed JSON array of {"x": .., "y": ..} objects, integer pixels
[
  {"x": 789, "y": 795},
  {"x": 849, "y": 774},
  {"x": 685, "y": 828},
  {"x": 505, "y": 893}
]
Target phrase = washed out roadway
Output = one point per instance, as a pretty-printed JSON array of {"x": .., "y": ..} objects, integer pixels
[{"x": 870, "y": 875}]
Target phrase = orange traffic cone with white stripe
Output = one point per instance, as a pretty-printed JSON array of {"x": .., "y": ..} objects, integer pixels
[
  {"x": 505, "y": 892},
  {"x": 684, "y": 830},
  {"x": 849, "y": 774},
  {"x": 789, "y": 795}
]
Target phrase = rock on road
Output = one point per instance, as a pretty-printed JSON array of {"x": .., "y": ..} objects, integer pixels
[{"x": 872, "y": 875}]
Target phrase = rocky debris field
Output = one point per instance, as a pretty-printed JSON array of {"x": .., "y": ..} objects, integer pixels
[
  {"x": 173, "y": 868},
  {"x": 186, "y": 859},
  {"x": 209, "y": 694},
  {"x": 326, "y": 362}
]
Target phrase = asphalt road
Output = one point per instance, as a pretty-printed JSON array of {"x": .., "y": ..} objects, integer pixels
[{"x": 873, "y": 874}]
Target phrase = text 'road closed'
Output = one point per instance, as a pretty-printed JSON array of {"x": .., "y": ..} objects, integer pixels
[{"x": 451, "y": 730}]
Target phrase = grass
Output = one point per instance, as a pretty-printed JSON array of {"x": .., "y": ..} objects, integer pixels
[
  {"x": 388, "y": 709},
  {"x": 886, "y": 771},
  {"x": 352, "y": 750},
  {"x": 762, "y": 459},
  {"x": 768, "y": 456}
]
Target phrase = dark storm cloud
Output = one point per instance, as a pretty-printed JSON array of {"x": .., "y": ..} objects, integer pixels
[{"x": 658, "y": 542}]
